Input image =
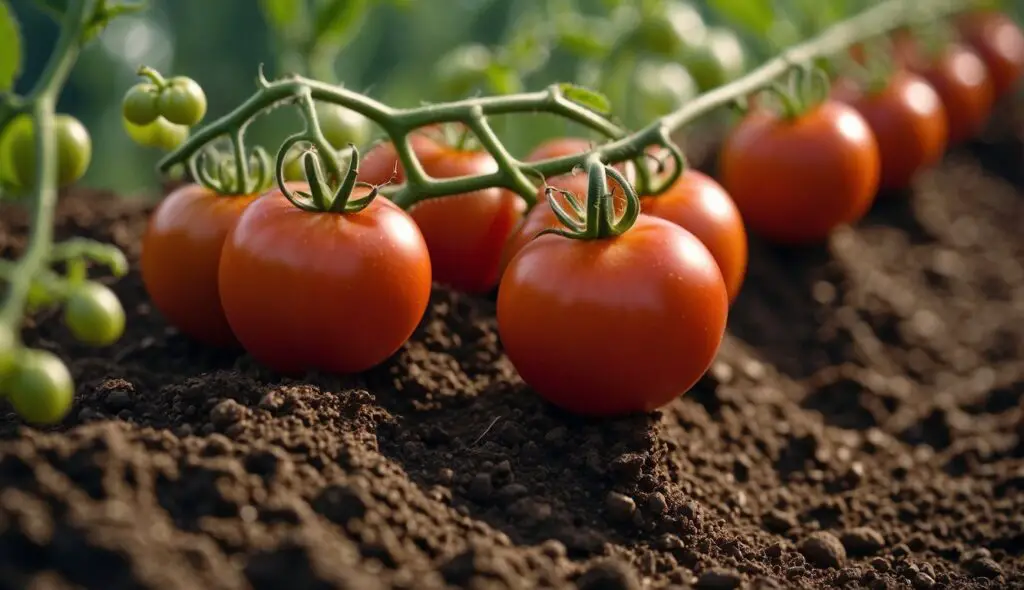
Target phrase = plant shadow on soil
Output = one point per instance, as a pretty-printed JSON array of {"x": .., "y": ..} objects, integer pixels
[{"x": 870, "y": 388}]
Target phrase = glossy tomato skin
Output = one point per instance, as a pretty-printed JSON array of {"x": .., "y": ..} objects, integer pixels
[
  {"x": 700, "y": 205},
  {"x": 181, "y": 251},
  {"x": 1000, "y": 43},
  {"x": 909, "y": 123},
  {"x": 963, "y": 82},
  {"x": 613, "y": 326},
  {"x": 465, "y": 233},
  {"x": 335, "y": 292},
  {"x": 795, "y": 181}
]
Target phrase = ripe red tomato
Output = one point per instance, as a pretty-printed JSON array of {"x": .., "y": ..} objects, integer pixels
[
  {"x": 339, "y": 292},
  {"x": 701, "y": 206},
  {"x": 181, "y": 251},
  {"x": 794, "y": 181},
  {"x": 1000, "y": 43},
  {"x": 965, "y": 86},
  {"x": 465, "y": 233},
  {"x": 908, "y": 120},
  {"x": 613, "y": 325}
]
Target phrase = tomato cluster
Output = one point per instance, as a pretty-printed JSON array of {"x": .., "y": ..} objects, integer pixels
[
  {"x": 796, "y": 177},
  {"x": 158, "y": 113},
  {"x": 607, "y": 302}
]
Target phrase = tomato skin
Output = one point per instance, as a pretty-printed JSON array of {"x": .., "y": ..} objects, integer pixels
[
  {"x": 181, "y": 252},
  {"x": 908, "y": 121},
  {"x": 465, "y": 233},
  {"x": 795, "y": 181},
  {"x": 329, "y": 291},
  {"x": 612, "y": 326},
  {"x": 965, "y": 86},
  {"x": 700, "y": 205},
  {"x": 1000, "y": 43}
]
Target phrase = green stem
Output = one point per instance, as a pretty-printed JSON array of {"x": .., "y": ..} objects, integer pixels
[{"x": 43, "y": 100}]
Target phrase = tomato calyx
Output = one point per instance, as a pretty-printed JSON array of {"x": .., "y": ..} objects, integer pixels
[
  {"x": 807, "y": 87},
  {"x": 875, "y": 74},
  {"x": 596, "y": 220},
  {"x": 321, "y": 198},
  {"x": 233, "y": 174}
]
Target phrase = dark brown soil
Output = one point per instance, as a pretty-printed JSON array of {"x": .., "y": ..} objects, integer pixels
[{"x": 863, "y": 427}]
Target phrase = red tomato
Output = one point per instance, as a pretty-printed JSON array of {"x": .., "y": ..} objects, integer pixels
[
  {"x": 794, "y": 181},
  {"x": 965, "y": 86},
  {"x": 909, "y": 123},
  {"x": 181, "y": 251},
  {"x": 1000, "y": 43},
  {"x": 465, "y": 233},
  {"x": 614, "y": 325},
  {"x": 339, "y": 292},
  {"x": 701, "y": 206}
]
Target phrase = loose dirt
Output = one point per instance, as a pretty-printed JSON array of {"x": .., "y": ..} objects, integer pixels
[{"x": 863, "y": 427}]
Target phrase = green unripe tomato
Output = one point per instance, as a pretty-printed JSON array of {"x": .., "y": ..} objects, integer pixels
[
  {"x": 182, "y": 101},
  {"x": 293, "y": 169},
  {"x": 720, "y": 59},
  {"x": 662, "y": 87},
  {"x": 667, "y": 34},
  {"x": 40, "y": 387},
  {"x": 139, "y": 106},
  {"x": 18, "y": 150},
  {"x": 342, "y": 126},
  {"x": 463, "y": 69},
  {"x": 94, "y": 314},
  {"x": 160, "y": 134}
]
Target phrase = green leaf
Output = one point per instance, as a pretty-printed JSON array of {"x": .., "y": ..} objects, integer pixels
[
  {"x": 591, "y": 99},
  {"x": 756, "y": 16},
  {"x": 338, "y": 21},
  {"x": 10, "y": 47}
]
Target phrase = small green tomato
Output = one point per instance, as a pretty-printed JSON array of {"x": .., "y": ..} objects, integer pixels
[
  {"x": 139, "y": 106},
  {"x": 670, "y": 32},
  {"x": 342, "y": 126},
  {"x": 160, "y": 134},
  {"x": 720, "y": 59},
  {"x": 40, "y": 387},
  {"x": 8, "y": 350},
  {"x": 18, "y": 150},
  {"x": 662, "y": 87},
  {"x": 463, "y": 69},
  {"x": 94, "y": 314},
  {"x": 182, "y": 101}
]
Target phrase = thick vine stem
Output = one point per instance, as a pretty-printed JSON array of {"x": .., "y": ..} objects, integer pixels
[
  {"x": 41, "y": 101},
  {"x": 398, "y": 123}
]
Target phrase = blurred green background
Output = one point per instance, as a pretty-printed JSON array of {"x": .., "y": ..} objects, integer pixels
[{"x": 392, "y": 54}]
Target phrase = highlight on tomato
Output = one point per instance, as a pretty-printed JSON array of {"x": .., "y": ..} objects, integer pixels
[
  {"x": 907, "y": 118},
  {"x": 613, "y": 315},
  {"x": 797, "y": 179},
  {"x": 699, "y": 204},
  {"x": 999, "y": 42},
  {"x": 465, "y": 233},
  {"x": 312, "y": 278},
  {"x": 181, "y": 250},
  {"x": 964, "y": 84}
]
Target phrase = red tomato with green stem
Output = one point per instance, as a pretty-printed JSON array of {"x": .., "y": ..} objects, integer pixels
[
  {"x": 1000, "y": 43},
  {"x": 612, "y": 318},
  {"x": 963, "y": 83},
  {"x": 181, "y": 251},
  {"x": 335, "y": 291},
  {"x": 795, "y": 180},
  {"x": 700, "y": 205},
  {"x": 908, "y": 120},
  {"x": 465, "y": 233}
]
